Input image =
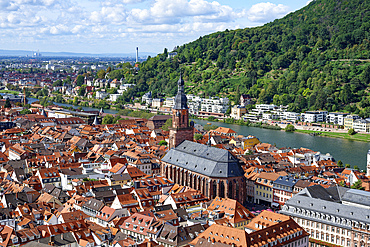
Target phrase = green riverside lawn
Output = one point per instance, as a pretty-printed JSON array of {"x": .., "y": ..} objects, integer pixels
[
  {"x": 9, "y": 91},
  {"x": 355, "y": 137}
]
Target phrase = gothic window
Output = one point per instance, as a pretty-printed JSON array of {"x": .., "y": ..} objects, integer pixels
[
  {"x": 222, "y": 189},
  {"x": 230, "y": 190}
]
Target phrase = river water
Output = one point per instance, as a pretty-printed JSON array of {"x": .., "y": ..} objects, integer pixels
[{"x": 349, "y": 152}]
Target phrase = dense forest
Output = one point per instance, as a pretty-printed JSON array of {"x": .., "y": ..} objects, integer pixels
[{"x": 315, "y": 58}]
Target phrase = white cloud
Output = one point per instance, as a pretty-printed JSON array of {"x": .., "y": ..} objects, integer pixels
[
  {"x": 97, "y": 22},
  {"x": 264, "y": 12}
]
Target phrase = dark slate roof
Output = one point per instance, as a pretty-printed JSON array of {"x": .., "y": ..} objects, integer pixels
[
  {"x": 17, "y": 163},
  {"x": 48, "y": 188},
  {"x": 58, "y": 240},
  {"x": 93, "y": 204},
  {"x": 287, "y": 181},
  {"x": 318, "y": 192},
  {"x": 357, "y": 196},
  {"x": 106, "y": 188},
  {"x": 103, "y": 194},
  {"x": 162, "y": 207},
  {"x": 203, "y": 159},
  {"x": 337, "y": 192}
]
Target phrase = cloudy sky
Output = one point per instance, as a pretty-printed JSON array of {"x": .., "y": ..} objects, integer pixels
[{"x": 118, "y": 26}]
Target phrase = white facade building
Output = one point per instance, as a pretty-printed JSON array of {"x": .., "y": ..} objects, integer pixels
[
  {"x": 114, "y": 97},
  {"x": 362, "y": 125},
  {"x": 314, "y": 116},
  {"x": 101, "y": 95},
  {"x": 336, "y": 117}
]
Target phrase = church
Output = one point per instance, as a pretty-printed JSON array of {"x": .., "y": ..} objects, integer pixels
[{"x": 213, "y": 171}]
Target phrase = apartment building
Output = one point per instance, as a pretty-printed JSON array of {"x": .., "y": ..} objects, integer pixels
[
  {"x": 283, "y": 190},
  {"x": 336, "y": 117},
  {"x": 314, "y": 116},
  {"x": 361, "y": 125}
]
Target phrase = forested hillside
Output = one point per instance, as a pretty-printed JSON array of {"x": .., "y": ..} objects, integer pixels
[{"x": 314, "y": 58}]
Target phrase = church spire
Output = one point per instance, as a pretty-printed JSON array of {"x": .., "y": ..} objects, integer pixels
[{"x": 180, "y": 99}]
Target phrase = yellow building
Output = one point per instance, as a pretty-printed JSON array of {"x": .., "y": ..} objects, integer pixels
[
  {"x": 237, "y": 111},
  {"x": 119, "y": 179},
  {"x": 245, "y": 142},
  {"x": 348, "y": 121},
  {"x": 263, "y": 188}
]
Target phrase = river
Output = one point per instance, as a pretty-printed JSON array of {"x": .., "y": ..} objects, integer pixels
[{"x": 349, "y": 152}]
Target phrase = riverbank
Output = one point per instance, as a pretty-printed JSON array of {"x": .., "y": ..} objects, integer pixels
[{"x": 355, "y": 137}]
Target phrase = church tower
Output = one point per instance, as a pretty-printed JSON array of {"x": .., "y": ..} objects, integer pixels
[{"x": 181, "y": 129}]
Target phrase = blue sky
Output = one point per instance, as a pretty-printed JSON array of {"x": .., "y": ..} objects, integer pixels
[{"x": 118, "y": 26}]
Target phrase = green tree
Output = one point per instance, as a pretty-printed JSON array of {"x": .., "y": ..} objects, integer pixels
[
  {"x": 167, "y": 124},
  {"x": 101, "y": 74},
  {"x": 340, "y": 163},
  {"x": 7, "y": 103},
  {"x": 198, "y": 137},
  {"x": 357, "y": 185},
  {"x": 82, "y": 90},
  {"x": 356, "y": 167},
  {"x": 80, "y": 80},
  {"x": 108, "y": 119},
  {"x": 289, "y": 128},
  {"x": 57, "y": 83},
  {"x": 25, "y": 111},
  {"x": 163, "y": 143},
  {"x": 348, "y": 166},
  {"x": 351, "y": 131}
]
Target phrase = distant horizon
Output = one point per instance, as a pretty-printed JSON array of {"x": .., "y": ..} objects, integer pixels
[
  {"x": 119, "y": 26},
  {"x": 20, "y": 52}
]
